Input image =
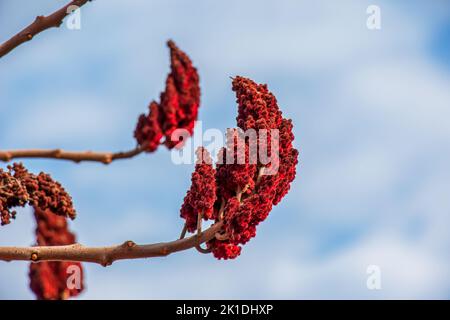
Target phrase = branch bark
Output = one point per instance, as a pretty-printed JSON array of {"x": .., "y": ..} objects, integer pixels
[
  {"x": 104, "y": 157},
  {"x": 105, "y": 256},
  {"x": 40, "y": 24}
]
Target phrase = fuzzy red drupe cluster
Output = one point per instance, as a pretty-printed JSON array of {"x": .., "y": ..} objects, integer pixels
[
  {"x": 18, "y": 187},
  {"x": 202, "y": 194},
  {"x": 178, "y": 108},
  {"x": 244, "y": 194},
  {"x": 48, "y": 280},
  {"x": 52, "y": 205}
]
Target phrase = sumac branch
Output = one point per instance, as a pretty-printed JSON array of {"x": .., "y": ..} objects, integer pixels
[{"x": 234, "y": 197}]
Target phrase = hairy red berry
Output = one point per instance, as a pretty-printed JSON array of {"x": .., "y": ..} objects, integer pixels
[
  {"x": 235, "y": 173},
  {"x": 178, "y": 108},
  {"x": 257, "y": 106},
  {"x": 184, "y": 80},
  {"x": 19, "y": 187},
  {"x": 201, "y": 196},
  {"x": 48, "y": 280},
  {"x": 148, "y": 132},
  {"x": 223, "y": 249}
]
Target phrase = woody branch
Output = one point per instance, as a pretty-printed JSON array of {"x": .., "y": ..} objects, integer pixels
[
  {"x": 105, "y": 256},
  {"x": 76, "y": 156},
  {"x": 40, "y": 24}
]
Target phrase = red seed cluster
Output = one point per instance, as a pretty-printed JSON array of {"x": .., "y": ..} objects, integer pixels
[
  {"x": 178, "y": 108},
  {"x": 148, "y": 130},
  {"x": 223, "y": 249},
  {"x": 202, "y": 194},
  {"x": 245, "y": 196},
  {"x": 18, "y": 187},
  {"x": 12, "y": 194},
  {"x": 48, "y": 280},
  {"x": 234, "y": 174},
  {"x": 257, "y": 106}
]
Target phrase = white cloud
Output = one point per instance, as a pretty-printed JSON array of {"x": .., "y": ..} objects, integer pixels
[
  {"x": 65, "y": 121},
  {"x": 410, "y": 94}
]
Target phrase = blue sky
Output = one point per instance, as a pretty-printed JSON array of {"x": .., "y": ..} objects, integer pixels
[{"x": 371, "y": 111}]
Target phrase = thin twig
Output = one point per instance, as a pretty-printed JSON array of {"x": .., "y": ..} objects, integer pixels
[
  {"x": 183, "y": 232},
  {"x": 76, "y": 156},
  {"x": 199, "y": 234},
  {"x": 202, "y": 250},
  {"x": 239, "y": 194},
  {"x": 221, "y": 210},
  {"x": 199, "y": 223},
  {"x": 40, "y": 24},
  {"x": 105, "y": 256},
  {"x": 260, "y": 174},
  {"x": 218, "y": 235}
]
